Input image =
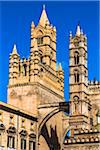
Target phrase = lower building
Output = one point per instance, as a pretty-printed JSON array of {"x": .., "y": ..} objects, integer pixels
[{"x": 18, "y": 129}]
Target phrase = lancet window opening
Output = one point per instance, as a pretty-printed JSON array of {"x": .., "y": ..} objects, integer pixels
[
  {"x": 76, "y": 76},
  {"x": 76, "y": 58}
]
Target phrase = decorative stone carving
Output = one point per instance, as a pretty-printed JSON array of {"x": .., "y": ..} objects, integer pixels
[{"x": 13, "y": 94}]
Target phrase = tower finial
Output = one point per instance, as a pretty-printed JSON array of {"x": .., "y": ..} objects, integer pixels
[
  {"x": 43, "y": 19},
  {"x": 78, "y": 30},
  {"x": 70, "y": 33},
  {"x": 43, "y": 6},
  {"x": 78, "y": 23}
]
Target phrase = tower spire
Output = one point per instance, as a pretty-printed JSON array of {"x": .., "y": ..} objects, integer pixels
[
  {"x": 43, "y": 19},
  {"x": 14, "y": 50},
  {"x": 78, "y": 30}
]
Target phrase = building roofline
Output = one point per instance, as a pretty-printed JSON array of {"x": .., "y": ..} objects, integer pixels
[{"x": 15, "y": 110}]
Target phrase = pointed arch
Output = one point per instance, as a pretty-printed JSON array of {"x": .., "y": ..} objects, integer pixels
[
  {"x": 12, "y": 130},
  {"x": 39, "y": 33},
  {"x": 76, "y": 58},
  {"x": 76, "y": 76},
  {"x": 75, "y": 98},
  {"x": 39, "y": 37},
  {"x": 2, "y": 127}
]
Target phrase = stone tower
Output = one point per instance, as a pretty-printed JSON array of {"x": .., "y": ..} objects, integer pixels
[
  {"x": 78, "y": 82},
  {"x": 38, "y": 71},
  {"x": 36, "y": 84}
]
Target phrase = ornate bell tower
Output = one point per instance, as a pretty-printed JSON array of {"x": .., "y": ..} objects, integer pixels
[
  {"x": 78, "y": 82},
  {"x": 45, "y": 34},
  {"x": 36, "y": 81},
  {"x": 36, "y": 85}
]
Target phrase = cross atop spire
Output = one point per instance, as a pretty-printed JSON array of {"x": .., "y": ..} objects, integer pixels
[{"x": 43, "y": 19}]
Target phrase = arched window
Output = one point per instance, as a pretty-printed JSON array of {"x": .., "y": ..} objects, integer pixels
[
  {"x": 76, "y": 98},
  {"x": 23, "y": 144},
  {"x": 25, "y": 69},
  {"x": 40, "y": 40},
  {"x": 11, "y": 141},
  {"x": 76, "y": 106},
  {"x": 39, "y": 37},
  {"x": 76, "y": 58},
  {"x": 32, "y": 141},
  {"x": 41, "y": 59},
  {"x": 11, "y": 137},
  {"x": 23, "y": 135},
  {"x": 76, "y": 76}
]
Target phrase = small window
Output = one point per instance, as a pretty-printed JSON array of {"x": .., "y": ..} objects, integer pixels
[
  {"x": 76, "y": 58},
  {"x": 76, "y": 106},
  {"x": 11, "y": 120},
  {"x": 23, "y": 123},
  {"x": 11, "y": 142},
  {"x": 23, "y": 144},
  {"x": 25, "y": 69},
  {"x": 32, "y": 124},
  {"x": 40, "y": 40},
  {"x": 19, "y": 69},
  {"x": 41, "y": 59},
  {"x": 76, "y": 43},
  {"x": 76, "y": 76},
  {"x": 31, "y": 145},
  {"x": 91, "y": 121},
  {"x": 76, "y": 98}
]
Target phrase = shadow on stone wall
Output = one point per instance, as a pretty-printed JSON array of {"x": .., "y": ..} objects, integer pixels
[{"x": 52, "y": 139}]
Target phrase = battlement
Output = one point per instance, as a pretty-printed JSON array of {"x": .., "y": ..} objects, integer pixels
[
  {"x": 86, "y": 131},
  {"x": 94, "y": 87},
  {"x": 92, "y": 82},
  {"x": 89, "y": 136}
]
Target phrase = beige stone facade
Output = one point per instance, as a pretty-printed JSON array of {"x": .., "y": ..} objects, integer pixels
[
  {"x": 16, "y": 125},
  {"x": 34, "y": 116}
]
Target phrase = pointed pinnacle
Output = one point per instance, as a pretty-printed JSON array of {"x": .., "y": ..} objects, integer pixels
[
  {"x": 59, "y": 67},
  {"x": 81, "y": 31},
  {"x": 78, "y": 30},
  {"x": 14, "y": 50},
  {"x": 43, "y": 19},
  {"x": 70, "y": 33},
  {"x": 32, "y": 24},
  {"x": 54, "y": 28}
]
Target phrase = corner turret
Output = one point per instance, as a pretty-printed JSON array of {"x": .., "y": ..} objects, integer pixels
[{"x": 13, "y": 66}]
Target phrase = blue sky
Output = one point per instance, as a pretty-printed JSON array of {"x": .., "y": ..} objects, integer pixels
[{"x": 15, "y": 21}]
